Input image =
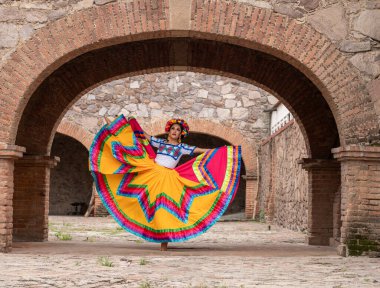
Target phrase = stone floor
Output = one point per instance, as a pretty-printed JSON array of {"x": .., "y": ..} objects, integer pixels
[{"x": 97, "y": 253}]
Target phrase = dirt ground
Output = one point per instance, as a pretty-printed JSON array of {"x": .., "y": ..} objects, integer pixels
[{"x": 96, "y": 252}]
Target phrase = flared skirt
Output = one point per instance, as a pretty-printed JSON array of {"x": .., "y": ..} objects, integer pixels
[{"x": 156, "y": 203}]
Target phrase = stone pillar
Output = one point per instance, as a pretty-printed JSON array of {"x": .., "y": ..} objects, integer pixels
[
  {"x": 8, "y": 153},
  {"x": 31, "y": 197},
  {"x": 337, "y": 219},
  {"x": 324, "y": 183},
  {"x": 360, "y": 209},
  {"x": 251, "y": 189}
]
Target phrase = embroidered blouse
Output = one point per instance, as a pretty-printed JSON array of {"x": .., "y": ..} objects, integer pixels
[{"x": 168, "y": 155}]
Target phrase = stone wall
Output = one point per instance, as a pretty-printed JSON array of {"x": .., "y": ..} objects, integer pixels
[
  {"x": 353, "y": 25},
  {"x": 283, "y": 185},
  {"x": 188, "y": 95}
]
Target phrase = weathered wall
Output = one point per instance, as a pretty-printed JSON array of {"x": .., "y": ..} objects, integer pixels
[{"x": 283, "y": 184}]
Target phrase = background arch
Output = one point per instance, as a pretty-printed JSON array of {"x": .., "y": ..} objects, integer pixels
[{"x": 77, "y": 132}]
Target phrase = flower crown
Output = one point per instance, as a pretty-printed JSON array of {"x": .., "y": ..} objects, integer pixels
[{"x": 184, "y": 126}]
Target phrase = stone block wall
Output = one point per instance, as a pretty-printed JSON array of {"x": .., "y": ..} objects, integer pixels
[
  {"x": 188, "y": 95},
  {"x": 283, "y": 184}
]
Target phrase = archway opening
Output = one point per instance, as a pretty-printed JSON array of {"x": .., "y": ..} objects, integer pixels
[{"x": 70, "y": 182}]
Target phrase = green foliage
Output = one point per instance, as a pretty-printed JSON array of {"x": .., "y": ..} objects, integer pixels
[
  {"x": 262, "y": 216},
  {"x": 105, "y": 261},
  {"x": 63, "y": 236},
  {"x": 361, "y": 245},
  {"x": 145, "y": 284},
  {"x": 117, "y": 230},
  {"x": 143, "y": 261},
  {"x": 52, "y": 227}
]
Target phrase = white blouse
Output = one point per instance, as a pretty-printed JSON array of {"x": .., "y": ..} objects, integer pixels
[{"x": 168, "y": 155}]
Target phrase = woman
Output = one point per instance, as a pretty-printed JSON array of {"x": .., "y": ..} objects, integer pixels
[
  {"x": 147, "y": 194},
  {"x": 169, "y": 151}
]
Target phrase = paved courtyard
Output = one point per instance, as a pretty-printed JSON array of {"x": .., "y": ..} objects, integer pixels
[{"x": 95, "y": 252}]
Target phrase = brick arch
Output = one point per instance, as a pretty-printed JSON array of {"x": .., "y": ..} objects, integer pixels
[
  {"x": 242, "y": 24},
  {"x": 64, "y": 85},
  {"x": 231, "y": 135},
  {"x": 76, "y": 132}
]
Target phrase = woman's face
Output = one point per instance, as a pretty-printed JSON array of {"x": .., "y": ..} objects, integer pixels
[{"x": 175, "y": 131}]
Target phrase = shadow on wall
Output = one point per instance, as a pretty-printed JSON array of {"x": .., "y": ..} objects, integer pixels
[{"x": 71, "y": 181}]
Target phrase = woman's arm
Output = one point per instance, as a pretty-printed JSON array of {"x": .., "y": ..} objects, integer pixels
[
  {"x": 200, "y": 150},
  {"x": 108, "y": 121},
  {"x": 146, "y": 135}
]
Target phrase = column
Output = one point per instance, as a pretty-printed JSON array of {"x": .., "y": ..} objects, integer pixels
[
  {"x": 8, "y": 153},
  {"x": 360, "y": 208},
  {"x": 31, "y": 197},
  {"x": 99, "y": 209},
  {"x": 251, "y": 189},
  {"x": 324, "y": 182}
]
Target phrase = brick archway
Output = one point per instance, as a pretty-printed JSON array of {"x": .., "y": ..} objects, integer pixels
[
  {"x": 243, "y": 25},
  {"x": 291, "y": 60},
  {"x": 76, "y": 132}
]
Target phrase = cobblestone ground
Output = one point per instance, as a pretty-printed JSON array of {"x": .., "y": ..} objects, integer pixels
[{"x": 231, "y": 254}]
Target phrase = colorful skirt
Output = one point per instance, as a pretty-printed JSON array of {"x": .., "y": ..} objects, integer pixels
[{"x": 156, "y": 203}]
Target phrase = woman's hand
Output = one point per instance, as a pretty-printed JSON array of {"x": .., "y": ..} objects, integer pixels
[
  {"x": 108, "y": 121},
  {"x": 146, "y": 135}
]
